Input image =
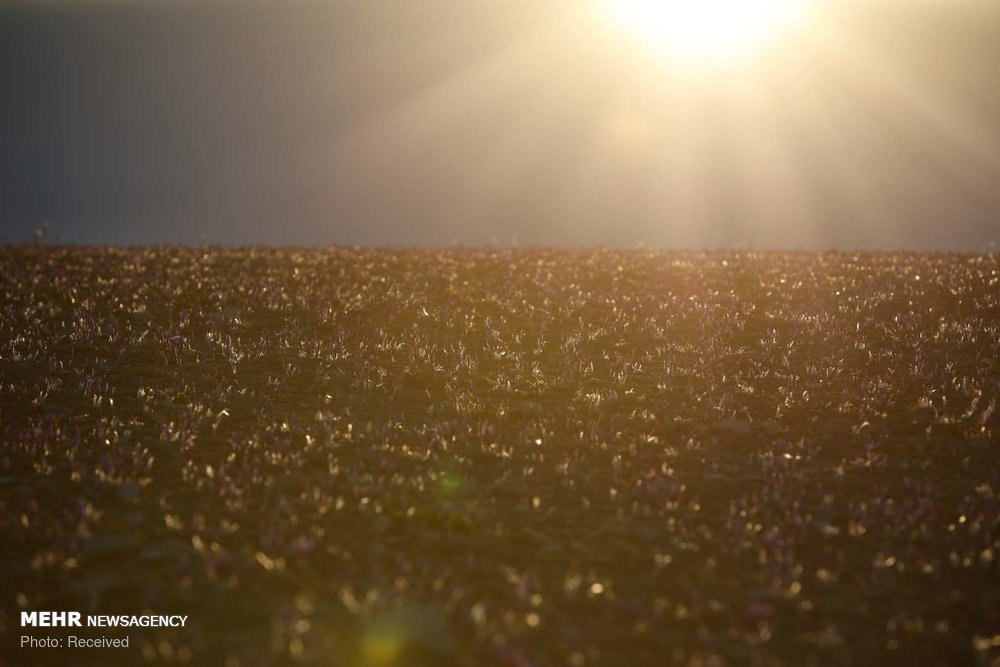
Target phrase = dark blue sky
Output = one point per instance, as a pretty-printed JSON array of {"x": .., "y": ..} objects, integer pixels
[{"x": 457, "y": 121}]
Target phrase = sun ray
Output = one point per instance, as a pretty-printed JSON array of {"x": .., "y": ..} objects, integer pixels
[
  {"x": 910, "y": 101},
  {"x": 706, "y": 32}
]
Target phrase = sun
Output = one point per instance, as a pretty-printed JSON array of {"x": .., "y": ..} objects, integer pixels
[{"x": 706, "y": 32}]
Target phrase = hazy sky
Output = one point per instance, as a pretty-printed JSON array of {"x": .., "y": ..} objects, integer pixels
[{"x": 476, "y": 121}]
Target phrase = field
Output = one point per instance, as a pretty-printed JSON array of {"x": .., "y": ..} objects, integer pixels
[{"x": 387, "y": 458}]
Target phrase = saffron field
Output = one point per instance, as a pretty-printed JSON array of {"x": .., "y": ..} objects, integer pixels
[{"x": 382, "y": 458}]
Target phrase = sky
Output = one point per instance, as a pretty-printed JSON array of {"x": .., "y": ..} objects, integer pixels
[{"x": 874, "y": 124}]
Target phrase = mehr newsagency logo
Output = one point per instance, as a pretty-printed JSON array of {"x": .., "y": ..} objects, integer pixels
[{"x": 74, "y": 619}]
